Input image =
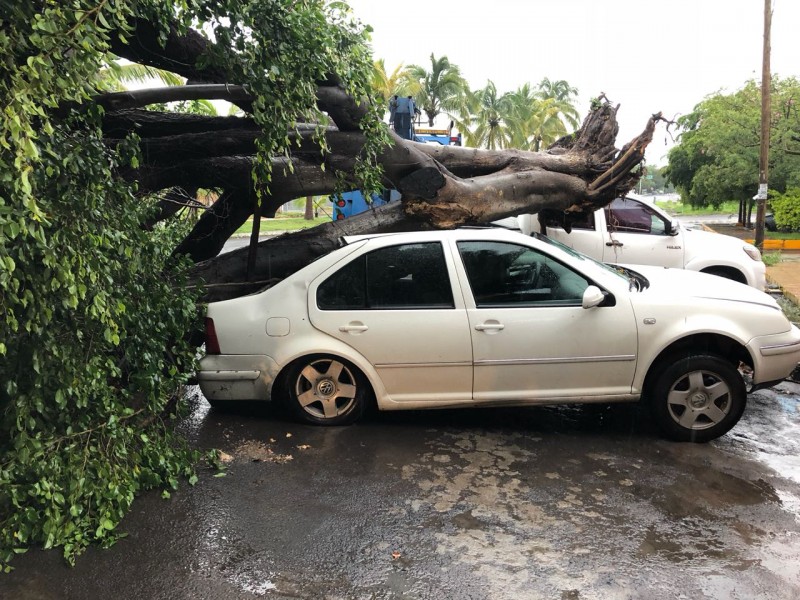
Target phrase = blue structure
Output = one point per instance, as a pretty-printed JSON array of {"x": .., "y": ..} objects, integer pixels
[
  {"x": 351, "y": 203},
  {"x": 437, "y": 136}
]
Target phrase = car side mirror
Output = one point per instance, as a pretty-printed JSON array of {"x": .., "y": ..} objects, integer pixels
[
  {"x": 673, "y": 227},
  {"x": 592, "y": 296}
]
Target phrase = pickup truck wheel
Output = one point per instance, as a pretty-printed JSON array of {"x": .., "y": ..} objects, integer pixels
[
  {"x": 698, "y": 398},
  {"x": 324, "y": 390}
]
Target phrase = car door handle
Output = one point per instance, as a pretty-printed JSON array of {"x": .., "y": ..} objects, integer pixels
[
  {"x": 353, "y": 328},
  {"x": 614, "y": 243},
  {"x": 490, "y": 327}
]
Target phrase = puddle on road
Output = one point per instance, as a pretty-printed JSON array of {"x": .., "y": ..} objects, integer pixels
[
  {"x": 769, "y": 433},
  {"x": 529, "y": 515}
]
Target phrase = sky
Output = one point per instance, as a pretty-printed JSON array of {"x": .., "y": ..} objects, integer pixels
[{"x": 648, "y": 56}]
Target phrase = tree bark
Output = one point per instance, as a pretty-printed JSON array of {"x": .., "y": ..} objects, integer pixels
[{"x": 441, "y": 187}]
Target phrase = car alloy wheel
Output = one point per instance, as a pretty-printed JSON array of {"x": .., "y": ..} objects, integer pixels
[
  {"x": 326, "y": 390},
  {"x": 698, "y": 398}
]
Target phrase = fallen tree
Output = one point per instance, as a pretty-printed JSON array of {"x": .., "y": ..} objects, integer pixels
[{"x": 442, "y": 187}]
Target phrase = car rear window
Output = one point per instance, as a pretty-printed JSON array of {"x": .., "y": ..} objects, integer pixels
[{"x": 407, "y": 276}]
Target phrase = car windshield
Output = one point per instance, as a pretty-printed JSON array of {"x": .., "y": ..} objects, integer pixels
[{"x": 636, "y": 281}]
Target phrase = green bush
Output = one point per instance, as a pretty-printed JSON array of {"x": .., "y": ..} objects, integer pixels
[
  {"x": 92, "y": 320},
  {"x": 94, "y": 311},
  {"x": 786, "y": 208}
]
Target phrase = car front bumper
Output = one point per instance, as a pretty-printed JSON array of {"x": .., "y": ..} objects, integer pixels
[{"x": 775, "y": 356}]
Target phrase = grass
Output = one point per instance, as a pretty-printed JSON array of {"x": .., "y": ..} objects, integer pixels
[
  {"x": 782, "y": 235},
  {"x": 282, "y": 223},
  {"x": 790, "y": 309},
  {"x": 679, "y": 208}
]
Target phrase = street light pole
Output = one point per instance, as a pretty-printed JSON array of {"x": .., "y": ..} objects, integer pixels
[{"x": 763, "y": 163}]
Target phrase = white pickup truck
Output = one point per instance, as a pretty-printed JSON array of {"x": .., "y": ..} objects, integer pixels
[{"x": 631, "y": 230}]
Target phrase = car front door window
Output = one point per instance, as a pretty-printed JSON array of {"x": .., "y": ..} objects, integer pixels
[
  {"x": 634, "y": 217},
  {"x": 504, "y": 274}
]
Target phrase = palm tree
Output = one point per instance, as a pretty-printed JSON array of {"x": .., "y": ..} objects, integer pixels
[
  {"x": 114, "y": 76},
  {"x": 548, "y": 124},
  {"x": 522, "y": 110},
  {"x": 482, "y": 117},
  {"x": 562, "y": 94},
  {"x": 520, "y": 119},
  {"x": 387, "y": 84},
  {"x": 560, "y": 89},
  {"x": 437, "y": 90}
]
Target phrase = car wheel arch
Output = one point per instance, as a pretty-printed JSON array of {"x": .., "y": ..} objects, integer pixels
[
  {"x": 716, "y": 344},
  {"x": 726, "y": 271},
  {"x": 298, "y": 348},
  {"x": 283, "y": 380}
]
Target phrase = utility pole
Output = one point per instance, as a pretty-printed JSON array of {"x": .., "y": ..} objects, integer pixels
[{"x": 763, "y": 163}]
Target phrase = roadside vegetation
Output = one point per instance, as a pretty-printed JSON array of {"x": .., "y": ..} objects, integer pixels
[
  {"x": 681, "y": 208},
  {"x": 283, "y": 222},
  {"x": 717, "y": 157},
  {"x": 98, "y": 321},
  {"x": 790, "y": 309}
]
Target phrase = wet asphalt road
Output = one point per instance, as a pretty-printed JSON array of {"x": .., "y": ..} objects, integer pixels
[{"x": 564, "y": 503}]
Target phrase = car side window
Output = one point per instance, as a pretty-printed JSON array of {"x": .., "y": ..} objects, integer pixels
[
  {"x": 629, "y": 216},
  {"x": 505, "y": 274},
  {"x": 557, "y": 218},
  {"x": 408, "y": 276}
]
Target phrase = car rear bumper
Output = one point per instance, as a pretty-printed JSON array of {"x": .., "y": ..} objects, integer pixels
[{"x": 237, "y": 376}]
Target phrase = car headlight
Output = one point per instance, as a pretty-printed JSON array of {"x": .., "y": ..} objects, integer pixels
[{"x": 752, "y": 252}]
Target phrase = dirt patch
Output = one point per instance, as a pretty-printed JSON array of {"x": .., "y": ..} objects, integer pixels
[{"x": 253, "y": 451}]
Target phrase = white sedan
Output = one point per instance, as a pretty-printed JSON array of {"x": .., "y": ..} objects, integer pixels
[{"x": 478, "y": 317}]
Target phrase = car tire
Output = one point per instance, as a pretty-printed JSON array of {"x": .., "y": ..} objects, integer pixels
[
  {"x": 698, "y": 398},
  {"x": 325, "y": 390}
]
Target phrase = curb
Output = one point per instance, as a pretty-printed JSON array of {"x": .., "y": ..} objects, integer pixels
[{"x": 778, "y": 244}]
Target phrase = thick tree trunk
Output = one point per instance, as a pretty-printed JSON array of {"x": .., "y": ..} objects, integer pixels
[
  {"x": 226, "y": 275},
  {"x": 441, "y": 186}
]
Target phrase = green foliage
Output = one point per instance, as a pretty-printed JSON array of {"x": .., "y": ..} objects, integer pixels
[
  {"x": 771, "y": 258},
  {"x": 94, "y": 310},
  {"x": 786, "y": 208},
  {"x": 93, "y": 316},
  {"x": 283, "y": 224},
  {"x": 281, "y": 49},
  {"x": 527, "y": 119},
  {"x": 654, "y": 181},
  {"x": 717, "y": 158},
  {"x": 680, "y": 208}
]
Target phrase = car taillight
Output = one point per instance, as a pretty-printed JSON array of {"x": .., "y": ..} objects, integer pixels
[{"x": 212, "y": 343}]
